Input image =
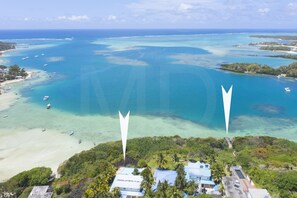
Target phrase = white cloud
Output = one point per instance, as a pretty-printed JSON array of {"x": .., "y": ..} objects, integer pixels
[
  {"x": 263, "y": 11},
  {"x": 178, "y": 10},
  {"x": 27, "y": 19},
  {"x": 183, "y": 7},
  {"x": 77, "y": 18},
  {"x": 292, "y": 6},
  {"x": 112, "y": 18}
]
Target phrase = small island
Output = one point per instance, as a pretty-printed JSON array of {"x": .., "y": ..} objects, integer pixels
[
  {"x": 254, "y": 68},
  {"x": 4, "y": 46},
  {"x": 280, "y": 37},
  {"x": 287, "y": 56},
  {"x": 285, "y": 43}
]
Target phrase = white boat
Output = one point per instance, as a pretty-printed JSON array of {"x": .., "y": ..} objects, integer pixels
[
  {"x": 279, "y": 76},
  {"x": 71, "y": 133},
  {"x": 42, "y": 54},
  {"x": 48, "y": 106},
  {"x": 25, "y": 58},
  {"x": 45, "y": 98},
  {"x": 287, "y": 89},
  {"x": 45, "y": 65},
  {"x": 36, "y": 56}
]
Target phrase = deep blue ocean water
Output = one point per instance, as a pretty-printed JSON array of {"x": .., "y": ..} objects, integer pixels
[{"x": 85, "y": 82}]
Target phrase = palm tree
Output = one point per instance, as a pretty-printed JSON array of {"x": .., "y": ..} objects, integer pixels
[
  {"x": 175, "y": 158},
  {"x": 161, "y": 161},
  {"x": 175, "y": 193},
  {"x": 162, "y": 190},
  {"x": 180, "y": 182},
  {"x": 217, "y": 172},
  {"x": 116, "y": 193},
  {"x": 148, "y": 181}
]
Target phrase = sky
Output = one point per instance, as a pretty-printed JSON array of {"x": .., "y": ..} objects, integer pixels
[{"x": 141, "y": 14}]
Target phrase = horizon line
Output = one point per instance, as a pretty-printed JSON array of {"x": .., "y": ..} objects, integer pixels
[{"x": 291, "y": 29}]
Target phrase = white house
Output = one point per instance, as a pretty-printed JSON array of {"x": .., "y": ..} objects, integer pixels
[
  {"x": 41, "y": 192},
  {"x": 2, "y": 72},
  {"x": 200, "y": 173},
  {"x": 129, "y": 184},
  {"x": 258, "y": 193}
]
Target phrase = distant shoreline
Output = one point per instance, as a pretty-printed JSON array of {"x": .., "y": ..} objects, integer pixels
[{"x": 10, "y": 94}]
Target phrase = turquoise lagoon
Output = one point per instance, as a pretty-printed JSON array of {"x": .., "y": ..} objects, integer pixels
[{"x": 169, "y": 79}]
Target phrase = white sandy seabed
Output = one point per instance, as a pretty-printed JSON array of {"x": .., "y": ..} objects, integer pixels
[{"x": 24, "y": 144}]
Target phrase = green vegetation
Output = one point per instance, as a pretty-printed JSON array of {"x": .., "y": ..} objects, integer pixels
[
  {"x": 6, "y": 46},
  {"x": 288, "y": 56},
  {"x": 13, "y": 72},
  {"x": 270, "y": 162},
  {"x": 282, "y": 37},
  {"x": 275, "y": 48},
  {"x": 290, "y": 70},
  {"x": 265, "y": 43},
  {"x": 24, "y": 181}
]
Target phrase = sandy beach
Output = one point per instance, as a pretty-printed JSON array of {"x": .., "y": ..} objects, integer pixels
[
  {"x": 22, "y": 149},
  {"x": 10, "y": 95},
  {"x": 25, "y": 148}
]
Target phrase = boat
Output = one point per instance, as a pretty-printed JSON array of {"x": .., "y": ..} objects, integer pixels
[
  {"x": 79, "y": 141},
  {"x": 25, "y": 58},
  {"x": 279, "y": 76},
  {"x": 36, "y": 56},
  {"x": 48, "y": 106},
  {"x": 43, "y": 130},
  {"x": 42, "y": 54},
  {"x": 71, "y": 133},
  {"x": 287, "y": 89},
  {"x": 45, "y": 98},
  {"x": 45, "y": 65}
]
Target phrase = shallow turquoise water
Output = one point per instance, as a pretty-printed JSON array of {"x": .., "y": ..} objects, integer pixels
[{"x": 173, "y": 74}]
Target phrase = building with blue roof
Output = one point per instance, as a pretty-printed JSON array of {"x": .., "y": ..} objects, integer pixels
[
  {"x": 200, "y": 173},
  {"x": 161, "y": 176}
]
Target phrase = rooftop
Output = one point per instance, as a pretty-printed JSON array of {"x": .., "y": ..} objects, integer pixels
[
  {"x": 164, "y": 175},
  {"x": 40, "y": 192},
  {"x": 258, "y": 193},
  {"x": 199, "y": 169},
  {"x": 129, "y": 184},
  {"x": 127, "y": 181}
]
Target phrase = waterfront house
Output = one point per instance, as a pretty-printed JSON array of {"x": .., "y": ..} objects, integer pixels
[
  {"x": 41, "y": 192},
  {"x": 128, "y": 183},
  {"x": 2, "y": 72},
  {"x": 160, "y": 176},
  {"x": 200, "y": 173}
]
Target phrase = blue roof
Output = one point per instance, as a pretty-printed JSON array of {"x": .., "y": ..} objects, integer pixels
[
  {"x": 198, "y": 171},
  {"x": 216, "y": 187},
  {"x": 210, "y": 182},
  {"x": 164, "y": 175}
]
